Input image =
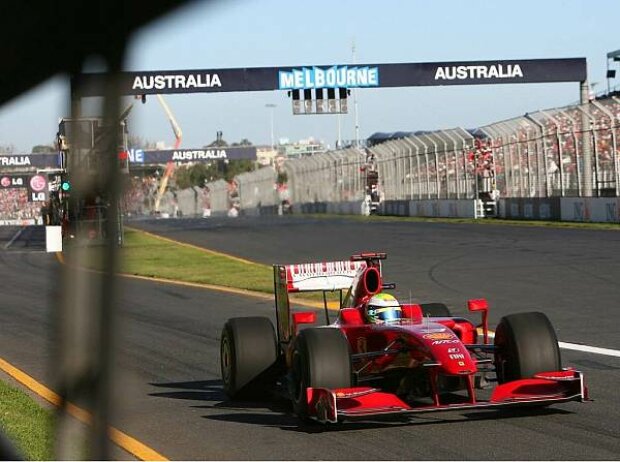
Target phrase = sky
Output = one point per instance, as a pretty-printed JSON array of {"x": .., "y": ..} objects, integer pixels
[{"x": 251, "y": 33}]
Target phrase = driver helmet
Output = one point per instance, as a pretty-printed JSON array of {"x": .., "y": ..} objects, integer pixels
[{"x": 382, "y": 308}]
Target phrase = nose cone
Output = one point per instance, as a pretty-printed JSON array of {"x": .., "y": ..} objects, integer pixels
[{"x": 450, "y": 352}]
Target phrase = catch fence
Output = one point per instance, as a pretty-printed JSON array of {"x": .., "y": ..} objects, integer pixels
[{"x": 562, "y": 152}]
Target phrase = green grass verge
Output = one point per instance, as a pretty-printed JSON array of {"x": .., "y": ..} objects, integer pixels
[
  {"x": 149, "y": 256},
  {"x": 28, "y": 425},
  {"x": 146, "y": 255},
  {"x": 479, "y": 221}
]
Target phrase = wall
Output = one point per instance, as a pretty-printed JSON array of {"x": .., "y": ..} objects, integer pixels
[
  {"x": 530, "y": 208},
  {"x": 591, "y": 209}
]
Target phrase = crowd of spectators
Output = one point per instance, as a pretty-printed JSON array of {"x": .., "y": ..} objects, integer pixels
[
  {"x": 561, "y": 136},
  {"x": 139, "y": 195},
  {"x": 14, "y": 205}
]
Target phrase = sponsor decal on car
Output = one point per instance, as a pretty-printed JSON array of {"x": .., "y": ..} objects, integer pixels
[
  {"x": 444, "y": 342},
  {"x": 439, "y": 336}
]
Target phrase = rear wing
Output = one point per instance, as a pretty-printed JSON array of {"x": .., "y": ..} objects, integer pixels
[
  {"x": 323, "y": 277},
  {"x": 309, "y": 277}
]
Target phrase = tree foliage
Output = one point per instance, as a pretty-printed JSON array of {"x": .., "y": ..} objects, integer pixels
[
  {"x": 243, "y": 142},
  {"x": 7, "y": 148},
  {"x": 138, "y": 142},
  {"x": 198, "y": 174},
  {"x": 43, "y": 148}
]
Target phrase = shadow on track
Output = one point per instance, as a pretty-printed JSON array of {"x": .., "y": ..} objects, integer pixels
[{"x": 275, "y": 411}]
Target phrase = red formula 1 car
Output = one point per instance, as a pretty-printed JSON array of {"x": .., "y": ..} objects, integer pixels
[{"x": 422, "y": 360}]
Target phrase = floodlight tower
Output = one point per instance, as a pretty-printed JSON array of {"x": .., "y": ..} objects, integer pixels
[
  {"x": 357, "y": 122},
  {"x": 271, "y": 106}
]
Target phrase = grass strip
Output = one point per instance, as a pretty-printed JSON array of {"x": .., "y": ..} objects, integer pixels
[
  {"x": 26, "y": 423},
  {"x": 147, "y": 255}
]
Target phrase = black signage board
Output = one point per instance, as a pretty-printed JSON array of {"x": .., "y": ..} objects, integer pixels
[
  {"x": 36, "y": 185},
  {"x": 14, "y": 181},
  {"x": 340, "y": 76},
  {"x": 29, "y": 160},
  {"x": 192, "y": 155}
]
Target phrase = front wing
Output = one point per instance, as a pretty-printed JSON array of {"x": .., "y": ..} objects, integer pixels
[{"x": 325, "y": 405}]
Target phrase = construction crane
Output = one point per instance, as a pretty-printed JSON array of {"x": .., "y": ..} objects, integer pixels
[{"x": 178, "y": 134}]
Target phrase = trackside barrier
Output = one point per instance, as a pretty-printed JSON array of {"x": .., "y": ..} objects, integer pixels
[
  {"x": 530, "y": 208},
  {"x": 465, "y": 208},
  {"x": 591, "y": 209}
]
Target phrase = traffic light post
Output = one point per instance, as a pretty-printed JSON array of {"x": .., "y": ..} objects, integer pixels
[
  {"x": 335, "y": 103},
  {"x": 83, "y": 142}
]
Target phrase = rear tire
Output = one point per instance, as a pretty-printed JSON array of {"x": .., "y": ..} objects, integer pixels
[
  {"x": 526, "y": 344},
  {"x": 321, "y": 358},
  {"x": 435, "y": 310},
  {"x": 247, "y": 352}
]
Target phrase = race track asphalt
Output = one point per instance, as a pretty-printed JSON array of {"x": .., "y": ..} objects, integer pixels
[{"x": 168, "y": 387}]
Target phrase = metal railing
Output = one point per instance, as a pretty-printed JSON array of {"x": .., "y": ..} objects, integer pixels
[{"x": 562, "y": 152}]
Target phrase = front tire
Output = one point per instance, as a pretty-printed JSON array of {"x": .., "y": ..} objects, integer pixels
[
  {"x": 247, "y": 351},
  {"x": 321, "y": 358},
  {"x": 526, "y": 344}
]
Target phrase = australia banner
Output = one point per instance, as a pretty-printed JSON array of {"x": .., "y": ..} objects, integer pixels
[
  {"x": 139, "y": 156},
  {"x": 340, "y": 76},
  {"x": 29, "y": 160}
]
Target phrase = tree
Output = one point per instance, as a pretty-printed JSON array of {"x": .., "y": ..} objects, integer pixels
[
  {"x": 243, "y": 142},
  {"x": 235, "y": 167},
  {"x": 137, "y": 142},
  {"x": 216, "y": 144},
  {"x": 7, "y": 148},
  {"x": 196, "y": 175},
  {"x": 42, "y": 148}
]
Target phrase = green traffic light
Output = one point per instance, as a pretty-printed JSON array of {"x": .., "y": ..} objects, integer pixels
[{"x": 66, "y": 186}]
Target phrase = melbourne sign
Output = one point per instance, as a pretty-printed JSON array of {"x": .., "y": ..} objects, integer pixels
[
  {"x": 339, "y": 76},
  {"x": 139, "y": 156},
  {"x": 333, "y": 77}
]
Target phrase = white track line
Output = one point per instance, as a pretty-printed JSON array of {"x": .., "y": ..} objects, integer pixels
[
  {"x": 17, "y": 234},
  {"x": 578, "y": 347},
  {"x": 589, "y": 349}
]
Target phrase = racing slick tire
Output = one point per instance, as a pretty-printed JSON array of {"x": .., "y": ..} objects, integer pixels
[
  {"x": 247, "y": 352},
  {"x": 525, "y": 344},
  {"x": 435, "y": 310},
  {"x": 321, "y": 358}
]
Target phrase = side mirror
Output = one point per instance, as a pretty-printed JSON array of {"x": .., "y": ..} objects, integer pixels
[
  {"x": 480, "y": 304},
  {"x": 303, "y": 317}
]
